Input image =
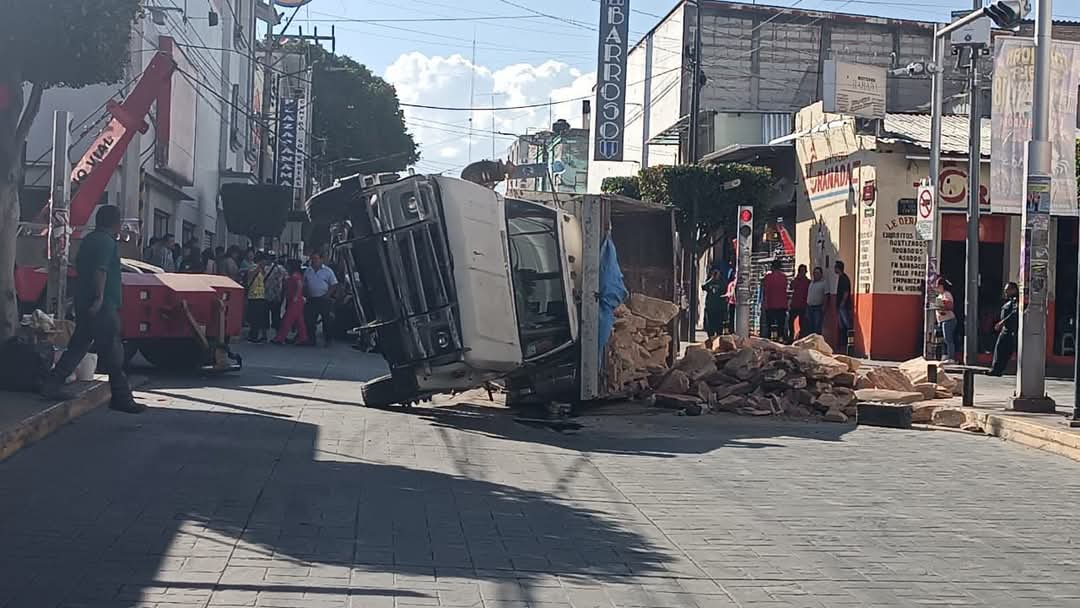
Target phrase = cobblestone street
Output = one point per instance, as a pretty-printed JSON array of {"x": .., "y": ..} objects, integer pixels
[{"x": 272, "y": 488}]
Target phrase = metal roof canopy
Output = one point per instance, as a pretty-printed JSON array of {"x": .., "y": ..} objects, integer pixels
[
  {"x": 752, "y": 154},
  {"x": 672, "y": 136}
]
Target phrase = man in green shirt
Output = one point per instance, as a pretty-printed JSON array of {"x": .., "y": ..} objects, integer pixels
[{"x": 97, "y": 313}]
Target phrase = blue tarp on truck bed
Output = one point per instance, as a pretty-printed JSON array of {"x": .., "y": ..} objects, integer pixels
[{"x": 612, "y": 292}]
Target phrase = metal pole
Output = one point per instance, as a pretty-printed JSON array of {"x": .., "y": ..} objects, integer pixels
[
  {"x": 971, "y": 290},
  {"x": 933, "y": 247},
  {"x": 1034, "y": 254},
  {"x": 1075, "y": 421},
  {"x": 266, "y": 170},
  {"x": 59, "y": 209},
  {"x": 695, "y": 107}
]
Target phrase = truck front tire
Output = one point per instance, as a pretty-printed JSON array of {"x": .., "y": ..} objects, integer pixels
[{"x": 380, "y": 392}]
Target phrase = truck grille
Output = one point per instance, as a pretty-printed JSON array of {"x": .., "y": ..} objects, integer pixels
[{"x": 395, "y": 243}]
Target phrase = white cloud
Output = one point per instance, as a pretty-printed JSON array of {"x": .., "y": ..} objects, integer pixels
[{"x": 448, "y": 81}]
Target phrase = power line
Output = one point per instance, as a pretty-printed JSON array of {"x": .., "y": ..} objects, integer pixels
[
  {"x": 525, "y": 106},
  {"x": 420, "y": 19},
  {"x": 548, "y": 15}
]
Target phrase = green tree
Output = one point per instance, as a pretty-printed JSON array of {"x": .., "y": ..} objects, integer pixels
[
  {"x": 681, "y": 185},
  {"x": 43, "y": 44},
  {"x": 358, "y": 115}
]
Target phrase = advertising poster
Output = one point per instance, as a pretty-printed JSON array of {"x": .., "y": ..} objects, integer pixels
[{"x": 1013, "y": 85}]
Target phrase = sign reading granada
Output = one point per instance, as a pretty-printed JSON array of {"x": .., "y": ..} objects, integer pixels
[{"x": 833, "y": 179}]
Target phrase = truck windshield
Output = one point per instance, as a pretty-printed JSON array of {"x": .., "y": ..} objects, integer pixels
[{"x": 539, "y": 290}]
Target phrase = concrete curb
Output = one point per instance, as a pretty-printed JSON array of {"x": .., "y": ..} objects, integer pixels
[
  {"x": 45, "y": 422},
  {"x": 1062, "y": 442}
]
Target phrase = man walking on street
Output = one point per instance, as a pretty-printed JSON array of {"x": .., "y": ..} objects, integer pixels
[
  {"x": 319, "y": 285},
  {"x": 774, "y": 286},
  {"x": 800, "y": 285},
  {"x": 1007, "y": 326},
  {"x": 97, "y": 314}
]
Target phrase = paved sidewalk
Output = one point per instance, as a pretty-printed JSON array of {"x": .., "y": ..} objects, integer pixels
[
  {"x": 26, "y": 417},
  {"x": 272, "y": 488}
]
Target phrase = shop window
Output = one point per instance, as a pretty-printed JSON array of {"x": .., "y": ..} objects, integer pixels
[
  {"x": 162, "y": 223},
  {"x": 187, "y": 232}
]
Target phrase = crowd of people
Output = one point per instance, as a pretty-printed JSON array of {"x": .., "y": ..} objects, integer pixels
[
  {"x": 785, "y": 302},
  {"x": 287, "y": 300}
]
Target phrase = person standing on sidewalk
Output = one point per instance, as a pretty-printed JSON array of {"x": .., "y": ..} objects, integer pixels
[
  {"x": 275, "y": 289},
  {"x": 294, "y": 306},
  {"x": 815, "y": 302},
  {"x": 97, "y": 314},
  {"x": 1005, "y": 347},
  {"x": 715, "y": 303},
  {"x": 946, "y": 318},
  {"x": 800, "y": 287},
  {"x": 319, "y": 285},
  {"x": 257, "y": 309},
  {"x": 843, "y": 303},
  {"x": 774, "y": 286}
]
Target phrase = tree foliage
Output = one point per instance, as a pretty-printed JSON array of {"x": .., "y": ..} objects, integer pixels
[
  {"x": 65, "y": 42},
  {"x": 680, "y": 185},
  {"x": 46, "y": 43},
  {"x": 358, "y": 115}
]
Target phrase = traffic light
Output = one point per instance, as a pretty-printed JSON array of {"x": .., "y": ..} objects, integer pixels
[
  {"x": 746, "y": 225},
  {"x": 1008, "y": 14}
]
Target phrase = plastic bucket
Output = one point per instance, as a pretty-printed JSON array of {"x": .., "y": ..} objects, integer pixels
[{"x": 86, "y": 369}]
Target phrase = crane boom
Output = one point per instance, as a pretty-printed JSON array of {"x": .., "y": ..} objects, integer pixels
[{"x": 91, "y": 174}]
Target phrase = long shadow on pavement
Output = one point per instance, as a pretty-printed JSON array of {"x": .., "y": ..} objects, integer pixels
[
  {"x": 201, "y": 508},
  {"x": 660, "y": 435}
]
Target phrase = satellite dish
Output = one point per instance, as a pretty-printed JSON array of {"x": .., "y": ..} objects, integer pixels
[{"x": 558, "y": 167}]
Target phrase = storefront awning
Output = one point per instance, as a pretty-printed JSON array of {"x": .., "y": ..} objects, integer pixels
[
  {"x": 752, "y": 154},
  {"x": 672, "y": 135}
]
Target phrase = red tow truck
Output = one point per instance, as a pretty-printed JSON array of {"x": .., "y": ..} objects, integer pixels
[{"x": 177, "y": 321}]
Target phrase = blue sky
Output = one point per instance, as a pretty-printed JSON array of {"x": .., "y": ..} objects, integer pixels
[{"x": 527, "y": 59}]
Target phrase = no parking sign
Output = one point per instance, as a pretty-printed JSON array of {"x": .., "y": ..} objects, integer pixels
[{"x": 924, "y": 226}]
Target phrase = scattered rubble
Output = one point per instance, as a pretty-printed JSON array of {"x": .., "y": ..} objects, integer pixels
[{"x": 757, "y": 377}]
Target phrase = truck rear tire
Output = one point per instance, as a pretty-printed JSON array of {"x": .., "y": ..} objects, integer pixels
[{"x": 380, "y": 392}]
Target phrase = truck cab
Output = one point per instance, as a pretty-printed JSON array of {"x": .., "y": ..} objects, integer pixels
[{"x": 462, "y": 285}]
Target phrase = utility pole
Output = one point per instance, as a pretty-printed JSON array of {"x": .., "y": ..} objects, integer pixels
[
  {"x": 266, "y": 168},
  {"x": 59, "y": 215},
  {"x": 1031, "y": 358},
  {"x": 933, "y": 248},
  {"x": 971, "y": 289},
  {"x": 695, "y": 110}
]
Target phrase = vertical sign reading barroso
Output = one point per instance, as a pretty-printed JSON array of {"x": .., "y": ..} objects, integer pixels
[
  {"x": 286, "y": 143},
  {"x": 1013, "y": 83},
  {"x": 611, "y": 79}
]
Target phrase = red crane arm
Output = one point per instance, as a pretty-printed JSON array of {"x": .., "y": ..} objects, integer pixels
[{"x": 92, "y": 173}]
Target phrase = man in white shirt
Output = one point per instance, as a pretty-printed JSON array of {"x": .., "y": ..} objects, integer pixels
[
  {"x": 815, "y": 301},
  {"x": 320, "y": 282}
]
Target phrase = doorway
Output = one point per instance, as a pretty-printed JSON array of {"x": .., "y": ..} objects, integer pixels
[{"x": 991, "y": 277}]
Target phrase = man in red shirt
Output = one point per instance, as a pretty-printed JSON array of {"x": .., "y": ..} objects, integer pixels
[
  {"x": 774, "y": 287},
  {"x": 800, "y": 287}
]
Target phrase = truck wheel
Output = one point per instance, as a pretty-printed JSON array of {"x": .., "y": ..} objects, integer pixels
[
  {"x": 379, "y": 392},
  {"x": 177, "y": 355}
]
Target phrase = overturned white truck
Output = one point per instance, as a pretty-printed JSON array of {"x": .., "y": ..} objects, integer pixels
[{"x": 463, "y": 285}]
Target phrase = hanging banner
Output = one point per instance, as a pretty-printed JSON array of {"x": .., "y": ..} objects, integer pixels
[
  {"x": 300, "y": 173},
  {"x": 1013, "y": 84},
  {"x": 611, "y": 80},
  {"x": 286, "y": 143}
]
